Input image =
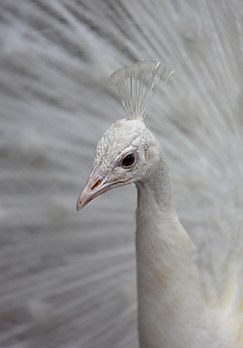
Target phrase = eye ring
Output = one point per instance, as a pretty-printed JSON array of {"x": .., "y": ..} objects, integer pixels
[{"x": 129, "y": 160}]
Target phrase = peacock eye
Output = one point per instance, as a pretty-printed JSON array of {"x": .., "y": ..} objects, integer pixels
[{"x": 128, "y": 161}]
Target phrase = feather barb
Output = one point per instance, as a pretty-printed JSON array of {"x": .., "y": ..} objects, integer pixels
[{"x": 137, "y": 84}]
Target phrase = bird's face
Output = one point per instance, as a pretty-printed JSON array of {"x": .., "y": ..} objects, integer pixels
[{"x": 123, "y": 156}]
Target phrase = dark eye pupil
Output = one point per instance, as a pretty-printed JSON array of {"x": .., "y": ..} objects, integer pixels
[{"x": 128, "y": 160}]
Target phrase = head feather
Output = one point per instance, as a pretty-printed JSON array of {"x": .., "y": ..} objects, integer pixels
[{"x": 137, "y": 84}]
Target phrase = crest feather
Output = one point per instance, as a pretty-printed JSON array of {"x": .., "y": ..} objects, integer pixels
[{"x": 137, "y": 84}]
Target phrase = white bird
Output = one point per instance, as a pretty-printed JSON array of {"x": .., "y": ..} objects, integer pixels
[
  {"x": 68, "y": 280},
  {"x": 173, "y": 311}
]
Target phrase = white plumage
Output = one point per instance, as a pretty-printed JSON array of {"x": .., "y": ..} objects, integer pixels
[
  {"x": 171, "y": 297},
  {"x": 67, "y": 279}
]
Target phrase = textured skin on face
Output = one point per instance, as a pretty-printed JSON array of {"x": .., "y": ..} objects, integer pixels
[{"x": 119, "y": 136}]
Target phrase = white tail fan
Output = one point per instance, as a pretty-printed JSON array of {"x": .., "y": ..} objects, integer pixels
[{"x": 67, "y": 279}]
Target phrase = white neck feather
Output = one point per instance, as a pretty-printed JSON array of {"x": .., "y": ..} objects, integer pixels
[{"x": 169, "y": 295}]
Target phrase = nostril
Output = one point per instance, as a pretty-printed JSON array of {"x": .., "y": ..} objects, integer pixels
[{"x": 97, "y": 183}]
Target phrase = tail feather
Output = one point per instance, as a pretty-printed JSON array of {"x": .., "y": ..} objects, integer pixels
[{"x": 68, "y": 280}]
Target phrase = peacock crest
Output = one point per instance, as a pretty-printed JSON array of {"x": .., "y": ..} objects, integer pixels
[{"x": 137, "y": 84}]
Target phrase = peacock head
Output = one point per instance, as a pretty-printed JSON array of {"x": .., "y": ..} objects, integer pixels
[{"x": 127, "y": 150}]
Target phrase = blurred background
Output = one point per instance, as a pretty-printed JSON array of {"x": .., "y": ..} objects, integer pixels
[{"x": 67, "y": 279}]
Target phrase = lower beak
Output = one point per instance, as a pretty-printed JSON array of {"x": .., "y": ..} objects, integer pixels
[{"x": 95, "y": 186}]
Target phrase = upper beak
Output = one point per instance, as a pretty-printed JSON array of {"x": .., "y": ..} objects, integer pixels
[{"x": 94, "y": 187}]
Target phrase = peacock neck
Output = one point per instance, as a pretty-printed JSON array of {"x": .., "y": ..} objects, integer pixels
[
  {"x": 155, "y": 190},
  {"x": 169, "y": 293}
]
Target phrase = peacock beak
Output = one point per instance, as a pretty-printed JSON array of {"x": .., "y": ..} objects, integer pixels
[{"x": 95, "y": 186}]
